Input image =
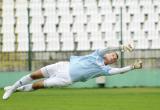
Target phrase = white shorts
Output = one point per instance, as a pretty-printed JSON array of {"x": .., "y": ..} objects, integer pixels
[{"x": 56, "y": 74}]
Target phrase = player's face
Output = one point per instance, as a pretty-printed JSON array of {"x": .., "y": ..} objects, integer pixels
[{"x": 110, "y": 58}]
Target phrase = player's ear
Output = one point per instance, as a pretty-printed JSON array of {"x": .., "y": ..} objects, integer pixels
[{"x": 117, "y": 55}]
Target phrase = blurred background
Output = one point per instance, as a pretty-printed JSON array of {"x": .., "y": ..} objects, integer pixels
[{"x": 34, "y": 33}]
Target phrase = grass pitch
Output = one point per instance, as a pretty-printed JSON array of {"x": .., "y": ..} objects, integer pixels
[{"x": 84, "y": 99}]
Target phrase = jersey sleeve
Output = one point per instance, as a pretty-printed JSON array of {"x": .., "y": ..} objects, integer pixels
[
  {"x": 106, "y": 70},
  {"x": 113, "y": 71}
]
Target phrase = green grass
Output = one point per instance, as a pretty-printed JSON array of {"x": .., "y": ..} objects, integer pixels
[{"x": 84, "y": 99}]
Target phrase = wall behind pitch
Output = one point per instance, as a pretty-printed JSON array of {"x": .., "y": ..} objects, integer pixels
[{"x": 136, "y": 78}]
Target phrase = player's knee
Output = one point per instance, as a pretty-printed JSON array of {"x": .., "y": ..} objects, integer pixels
[
  {"x": 38, "y": 85},
  {"x": 33, "y": 76},
  {"x": 37, "y": 75},
  {"x": 54, "y": 83}
]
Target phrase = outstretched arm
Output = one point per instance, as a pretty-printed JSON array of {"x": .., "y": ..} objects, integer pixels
[
  {"x": 120, "y": 70},
  {"x": 136, "y": 65},
  {"x": 127, "y": 47}
]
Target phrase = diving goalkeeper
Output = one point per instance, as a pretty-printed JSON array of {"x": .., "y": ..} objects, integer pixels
[{"x": 79, "y": 68}]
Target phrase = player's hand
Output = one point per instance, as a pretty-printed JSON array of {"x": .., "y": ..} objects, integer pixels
[
  {"x": 137, "y": 64},
  {"x": 127, "y": 48}
]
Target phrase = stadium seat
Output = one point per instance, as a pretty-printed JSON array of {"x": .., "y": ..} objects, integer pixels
[
  {"x": 82, "y": 41},
  {"x": 50, "y": 11},
  {"x": 157, "y": 34},
  {"x": 22, "y": 4},
  {"x": 35, "y": 12},
  {"x": 81, "y": 36},
  {"x": 21, "y": 28},
  {"x": 63, "y": 3},
  {"x": 8, "y": 42},
  {"x": 8, "y": 20},
  {"x": 153, "y": 17},
  {"x": 22, "y": 37},
  {"x": 63, "y": 7},
  {"x": 52, "y": 19},
  {"x": 23, "y": 20},
  {"x": 64, "y": 27},
  {"x": 155, "y": 2},
  {"x": 126, "y": 17},
  {"x": 77, "y": 7},
  {"x": 81, "y": 18},
  {"x": 8, "y": 46},
  {"x": 35, "y": 4},
  {"x": 131, "y": 2},
  {"x": 139, "y": 17},
  {"x": 98, "y": 44},
  {"x": 91, "y": 6},
  {"x": 96, "y": 18},
  {"x": 118, "y": 3},
  {"x": 49, "y": 4},
  {"x": 83, "y": 45},
  {"x": 155, "y": 43},
  {"x": 49, "y": 27},
  {"x": 68, "y": 45},
  {"x": 145, "y": 2},
  {"x": 66, "y": 18},
  {"x": 37, "y": 37},
  {"x": 50, "y": 8},
  {"x": 23, "y": 46},
  {"x": 104, "y": 3},
  {"x": 8, "y": 4},
  {"x": 35, "y": 28},
  {"x": 112, "y": 43},
  {"x": 23, "y": 42},
  {"x": 152, "y": 35},
  {"x": 141, "y": 44},
  {"x": 95, "y": 35},
  {"x": 148, "y": 9},
  {"x": 134, "y": 26},
  {"x": 53, "y": 45},
  {"x": 37, "y": 20},
  {"x": 90, "y": 3},
  {"x": 92, "y": 27},
  {"x": 8, "y": 37},
  {"x": 78, "y": 27},
  {"x": 66, "y": 39},
  {"x": 21, "y": 12},
  {"x": 52, "y": 42},
  {"x": 8, "y": 28},
  {"x": 106, "y": 27},
  {"x": 38, "y": 42},
  {"x": 62, "y": 10},
  {"x": 38, "y": 45}
]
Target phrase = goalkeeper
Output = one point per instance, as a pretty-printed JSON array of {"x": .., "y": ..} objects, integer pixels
[{"x": 80, "y": 68}]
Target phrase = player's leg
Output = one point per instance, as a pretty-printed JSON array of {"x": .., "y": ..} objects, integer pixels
[
  {"x": 31, "y": 87},
  {"x": 28, "y": 79},
  {"x": 60, "y": 77},
  {"x": 50, "y": 70},
  {"x": 50, "y": 82},
  {"x": 55, "y": 82},
  {"x": 23, "y": 81},
  {"x": 28, "y": 87},
  {"x": 56, "y": 74}
]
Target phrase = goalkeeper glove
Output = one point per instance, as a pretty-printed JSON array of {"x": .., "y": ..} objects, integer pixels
[
  {"x": 137, "y": 64},
  {"x": 127, "y": 48}
]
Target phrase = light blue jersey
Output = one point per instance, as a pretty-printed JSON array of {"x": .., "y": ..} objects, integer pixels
[{"x": 89, "y": 66}]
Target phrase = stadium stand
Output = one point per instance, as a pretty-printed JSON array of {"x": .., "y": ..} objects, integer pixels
[{"x": 67, "y": 25}]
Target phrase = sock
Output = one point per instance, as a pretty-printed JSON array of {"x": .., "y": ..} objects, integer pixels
[
  {"x": 26, "y": 88},
  {"x": 23, "y": 81}
]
